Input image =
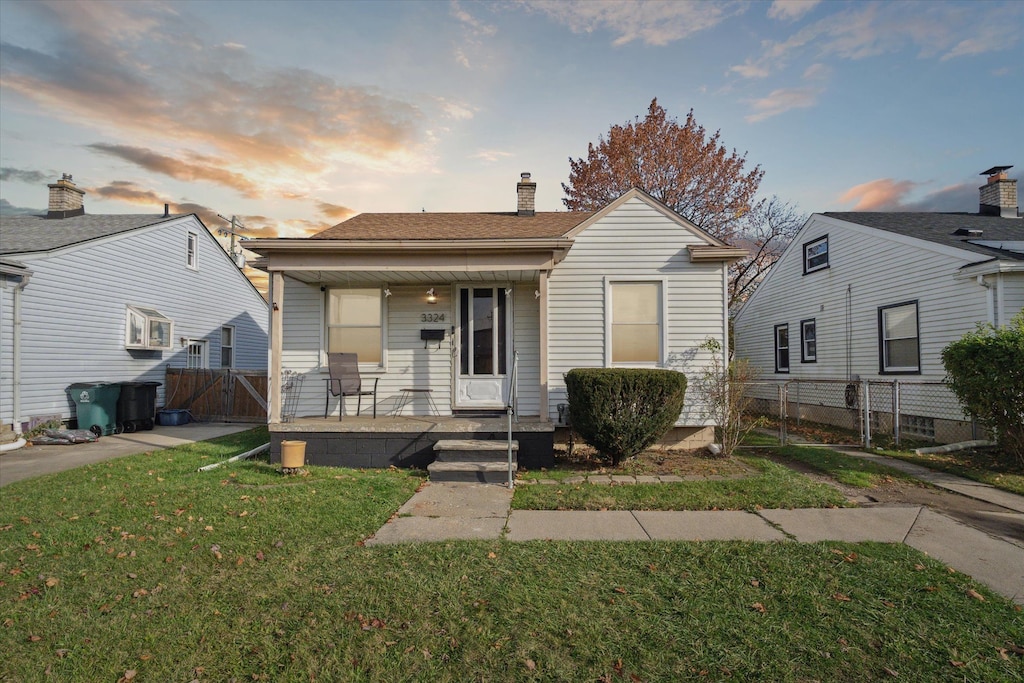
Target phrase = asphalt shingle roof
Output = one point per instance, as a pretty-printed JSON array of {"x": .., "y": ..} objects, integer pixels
[
  {"x": 941, "y": 228},
  {"x": 453, "y": 226},
  {"x": 27, "y": 234}
]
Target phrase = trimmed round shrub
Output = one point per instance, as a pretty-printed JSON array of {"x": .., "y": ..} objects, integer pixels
[
  {"x": 985, "y": 369},
  {"x": 622, "y": 411}
]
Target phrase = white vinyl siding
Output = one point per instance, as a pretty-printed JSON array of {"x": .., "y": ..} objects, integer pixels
[
  {"x": 77, "y": 298},
  {"x": 867, "y": 270},
  {"x": 635, "y": 242}
]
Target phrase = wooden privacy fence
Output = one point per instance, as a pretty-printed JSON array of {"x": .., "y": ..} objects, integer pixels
[{"x": 218, "y": 395}]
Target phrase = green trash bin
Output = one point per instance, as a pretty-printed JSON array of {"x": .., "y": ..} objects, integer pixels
[{"x": 96, "y": 406}]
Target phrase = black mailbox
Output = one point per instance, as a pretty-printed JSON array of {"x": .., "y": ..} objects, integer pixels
[{"x": 432, "y": 335}]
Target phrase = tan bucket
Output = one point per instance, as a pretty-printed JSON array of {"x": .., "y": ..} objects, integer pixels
[{"x": 293, "y": 454}]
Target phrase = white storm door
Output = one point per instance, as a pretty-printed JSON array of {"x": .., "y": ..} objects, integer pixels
[{"x": 483, "y": 339}]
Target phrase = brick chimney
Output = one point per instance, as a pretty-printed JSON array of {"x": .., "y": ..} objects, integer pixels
[
  {"x": 65, "y": 199},
  {"x": 999, "y": 194},
  {"x": 526, "y": 189}
]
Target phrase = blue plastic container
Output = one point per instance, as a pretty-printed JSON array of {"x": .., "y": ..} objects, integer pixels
[{"x": 172, "y": 418}]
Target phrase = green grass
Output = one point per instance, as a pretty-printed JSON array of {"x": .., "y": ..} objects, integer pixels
[
  {"x": 771, "y": 486},
  {"x": 846, "y": 469},
  {"x": 988, "y": 466},
  {"x": 142, "y": 564}
]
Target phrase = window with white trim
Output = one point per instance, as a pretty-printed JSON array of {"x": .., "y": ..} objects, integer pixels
[
  {"x": 227, "y": 346},
  {"x": 816, "y": 255},
  {"x": 808, "y": 341},
  {"x": 355, "y": 323},
  {"x": 782, "y": 348},
  {"x": 146, "y": 328},
  {"x": 636, "y": 323},
  {"x": 192, "y": 251},
  {"x": 899, "y": 339}
]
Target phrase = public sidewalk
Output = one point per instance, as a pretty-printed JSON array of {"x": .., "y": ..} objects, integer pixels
[
  {"x": 34, "y": 461},
  {"x": 443, "y": 511}
]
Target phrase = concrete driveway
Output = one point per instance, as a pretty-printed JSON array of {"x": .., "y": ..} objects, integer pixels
[{"x": 33, "y": 461}]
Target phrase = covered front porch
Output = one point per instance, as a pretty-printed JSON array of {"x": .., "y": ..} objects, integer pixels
[{"x": 408, "y": 441}]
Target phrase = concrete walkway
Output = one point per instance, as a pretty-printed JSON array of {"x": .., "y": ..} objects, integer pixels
[
  {"x": 34, "y": 461},
  {"x": 442, "y": 512}
]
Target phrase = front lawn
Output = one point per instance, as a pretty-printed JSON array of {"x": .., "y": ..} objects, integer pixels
[
  {"x": 768, "y": 485},
  {"x": 989, "y": 466},
  {"x": 142, "y": 569}
]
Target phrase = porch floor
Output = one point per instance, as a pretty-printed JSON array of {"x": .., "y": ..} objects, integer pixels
[
  {"x": 453, "y": 424},
  {"x": 407, "y": 441}
]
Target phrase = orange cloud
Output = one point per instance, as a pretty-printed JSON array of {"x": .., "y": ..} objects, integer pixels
[
  {"x": 884, "y": 194},
  {"x": 200, "y": 168},
  {"x": 335, "y": 211}
]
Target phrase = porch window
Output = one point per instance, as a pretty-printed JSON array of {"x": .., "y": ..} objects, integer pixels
[
  {"x": 898, "y": 339},
  {"x": 147, "y": 329},
  {"x": 354, "y": 323},
  {"x": 636, "y": 323}
]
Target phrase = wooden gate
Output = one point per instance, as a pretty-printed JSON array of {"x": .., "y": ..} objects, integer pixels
[{"x": 218, "y": 395}]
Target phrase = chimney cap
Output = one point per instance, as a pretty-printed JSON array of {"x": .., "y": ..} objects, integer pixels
[
  {"x": 995, "y": 170},
  {"x": 525, "y": 177}
]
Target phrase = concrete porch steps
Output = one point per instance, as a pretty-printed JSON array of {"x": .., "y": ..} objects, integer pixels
[{"x": 472, "y": 461}]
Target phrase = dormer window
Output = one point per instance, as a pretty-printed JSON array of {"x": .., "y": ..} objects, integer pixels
[{"x": 816, "y": 255}]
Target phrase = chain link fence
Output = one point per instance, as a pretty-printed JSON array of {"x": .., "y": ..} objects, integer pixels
[{"x": 867, "y": 413}]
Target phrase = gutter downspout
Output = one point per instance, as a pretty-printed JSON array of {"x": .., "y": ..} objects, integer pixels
[{"x": 16, "y": 356}]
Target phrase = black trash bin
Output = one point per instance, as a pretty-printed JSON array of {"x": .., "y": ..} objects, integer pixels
[
  {"x": 95, "y": 406},
  {"x": 136, "y": 406}
]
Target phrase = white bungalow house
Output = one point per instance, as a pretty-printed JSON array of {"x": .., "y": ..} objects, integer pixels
[
  {"x": 468, "y": 309},
  {"x": 114, "y": 298},
  {"x": 876, "y": 296}
]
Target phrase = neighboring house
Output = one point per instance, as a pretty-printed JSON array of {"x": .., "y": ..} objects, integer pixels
[
  {"x": 114, "y": 298},
  {"x": 877, "y": 296},
  {"x": 447, "y": 301}
]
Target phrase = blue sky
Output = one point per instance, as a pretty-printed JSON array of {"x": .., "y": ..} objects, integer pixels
[{"x": 297, "y": 115}]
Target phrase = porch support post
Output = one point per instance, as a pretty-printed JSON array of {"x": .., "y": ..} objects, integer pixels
[
  {"x": 276, "y": 338},
  {"x": 543, "y": 288}
]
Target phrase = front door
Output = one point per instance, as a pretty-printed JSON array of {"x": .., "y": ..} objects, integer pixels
[{"x": 483, "y": 347}]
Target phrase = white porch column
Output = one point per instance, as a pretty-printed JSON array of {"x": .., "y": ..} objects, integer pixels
[
  {"x": 543, "y": 345},
  {"x": 276, "y": 343}
]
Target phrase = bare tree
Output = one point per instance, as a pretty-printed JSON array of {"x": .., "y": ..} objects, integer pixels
[{"x": 764, "y": 232}]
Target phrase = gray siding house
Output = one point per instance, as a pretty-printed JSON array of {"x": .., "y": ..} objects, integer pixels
[
  {"x": 466, "y": 307},
  {"x": 114, "y": 298},
  {"x": 877, "y": 296}
]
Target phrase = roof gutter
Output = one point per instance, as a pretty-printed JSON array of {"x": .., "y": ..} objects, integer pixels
[
  {"x": 306, "y": 244},
  {"x": 990, "y": 267}
]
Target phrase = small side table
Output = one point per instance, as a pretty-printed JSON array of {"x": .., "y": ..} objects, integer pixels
[{"x": 409, "y": 394}]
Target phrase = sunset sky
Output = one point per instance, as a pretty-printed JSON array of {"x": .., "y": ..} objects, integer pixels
[{"x": 297, "y": 115}]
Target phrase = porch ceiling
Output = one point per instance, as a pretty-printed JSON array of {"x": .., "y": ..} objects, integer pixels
[{"x": 343, "y": 277}]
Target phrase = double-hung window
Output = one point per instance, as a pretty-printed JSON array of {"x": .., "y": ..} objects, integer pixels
[
  {"x": 899, "y": 347},
  {"x": 782, "y": 348},
  {"x": 636, "y": 323},
  {"x": 808, "y": 341},
  {"x": 147, "y": 329},
  {"x": 816, "y": 255},
  {"x": 355, "y": 323},
  {"x": 227, "y": 346},
  {"x": 192, "y": 251}
]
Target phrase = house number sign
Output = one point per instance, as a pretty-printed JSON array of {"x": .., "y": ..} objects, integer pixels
[{"x": 432, "y": 317}]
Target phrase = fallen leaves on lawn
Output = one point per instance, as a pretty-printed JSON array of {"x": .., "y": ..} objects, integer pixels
[
  {"x": 841, "y": 597},
  {"x": 890, "y": 672},
  {"x": 531, "y": 665},
  {"x": 976, "y": 595},
  {"x": 758, "y": 607}
]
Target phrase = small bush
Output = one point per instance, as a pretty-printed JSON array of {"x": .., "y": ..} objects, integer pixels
[
  {"x": 985, "y": 369},
  {"x": 622, "y": 411}
]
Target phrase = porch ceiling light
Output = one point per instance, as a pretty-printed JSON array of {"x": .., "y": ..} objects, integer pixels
[{"x": 431, "y": 296}]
